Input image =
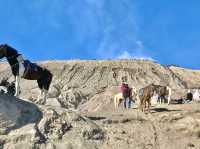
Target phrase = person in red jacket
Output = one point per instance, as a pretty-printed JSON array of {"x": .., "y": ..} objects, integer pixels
[{"x": 126, "y": 92}]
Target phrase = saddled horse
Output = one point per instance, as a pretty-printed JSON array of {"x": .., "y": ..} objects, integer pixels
[
  {"x": 118, "y": 98},
  {"x": 25, "y": 69},
  {"x": 162, "y": 92}
]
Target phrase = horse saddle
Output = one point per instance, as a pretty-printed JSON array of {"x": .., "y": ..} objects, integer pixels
[{"x": 31, "y": 70}]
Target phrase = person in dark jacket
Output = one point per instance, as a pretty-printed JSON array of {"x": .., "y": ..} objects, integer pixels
[
  {"x": 126, "y": 92},
  {"x": 189, "y": 97}
]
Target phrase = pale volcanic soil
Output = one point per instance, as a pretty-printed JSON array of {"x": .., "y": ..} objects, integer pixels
[
  {"x": 165, "y": 127},
  {"x": 80, "y": 113}
]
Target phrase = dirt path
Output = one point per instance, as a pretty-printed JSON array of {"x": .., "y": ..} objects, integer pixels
[{"x": 166, "y": 127}]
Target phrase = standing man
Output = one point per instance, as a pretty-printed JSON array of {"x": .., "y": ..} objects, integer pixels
[{"x": 126, "y": 92}]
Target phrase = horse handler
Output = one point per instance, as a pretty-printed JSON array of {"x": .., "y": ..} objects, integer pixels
[{"x": 126, "y": 92}]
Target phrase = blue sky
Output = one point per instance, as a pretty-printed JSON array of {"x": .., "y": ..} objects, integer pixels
[{"x": 166, "y": 31}]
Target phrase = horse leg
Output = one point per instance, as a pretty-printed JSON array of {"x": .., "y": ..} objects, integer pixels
[
  {"x": 159, "y": 98},
  {"x": 40, "y": 95},
  {"x": 119, "y": 100},
  {"x": 115, "y": 102},
  {"x": 164, "y": 99},
  {"x": 149, "y": 104},
  {"x": 45, "y": 83},
  {"x": 17, "y": 87},
  {"x": 169, "y": 94},
  {"x": 45, "y": 96},
  {"x": 40, "y": 85},
  {"x": 146, "y": 105},
  {"x": 168, "y": 99},
  {"x": 142, "y": 105}
]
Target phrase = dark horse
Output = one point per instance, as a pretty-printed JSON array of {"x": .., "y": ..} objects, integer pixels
[
  {"x": 25, "y": 69},
  {"x": 162, "y": 92}
]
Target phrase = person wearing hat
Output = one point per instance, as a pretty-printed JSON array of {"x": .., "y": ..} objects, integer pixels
[{"x": 126, "y": 91}]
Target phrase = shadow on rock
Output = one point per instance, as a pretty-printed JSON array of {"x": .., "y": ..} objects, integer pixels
[
  {"x": 15, "y": 113},
  {"x": 95, "y": 118}
]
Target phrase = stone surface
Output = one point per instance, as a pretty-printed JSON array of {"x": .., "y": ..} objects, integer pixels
[{"x": 80, "y": 113}]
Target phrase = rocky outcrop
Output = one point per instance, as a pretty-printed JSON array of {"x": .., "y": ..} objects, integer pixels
[
  {"x": 25, "y": 125},
  {"x": 190, "y": 77},
  {"x": 76, "y": 82},
  {"x": 15, "y": 113},
  {"x": 80, "y": 113}
]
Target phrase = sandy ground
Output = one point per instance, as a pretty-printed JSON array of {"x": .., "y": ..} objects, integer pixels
[{"x": 165, "y": 127}]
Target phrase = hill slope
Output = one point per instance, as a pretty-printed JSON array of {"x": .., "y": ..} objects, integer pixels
[
  {"x": 79, "y": 113},
  {"x": 76, "y": 82}
]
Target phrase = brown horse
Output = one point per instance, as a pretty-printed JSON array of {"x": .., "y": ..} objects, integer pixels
[
  {"x": 147, "y": 92},
  {"x": 145, "y": 95}
]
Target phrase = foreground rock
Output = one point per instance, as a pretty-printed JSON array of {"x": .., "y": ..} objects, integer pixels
[
  {"x": 47, "y": 127},
  {"x": 25, "y": 126},
  {"x": 15, "y": 113}
]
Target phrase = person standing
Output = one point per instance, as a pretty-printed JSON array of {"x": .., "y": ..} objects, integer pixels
[
  {"x": 126, "y": 92},
  {"x": 189, "y": 96}
]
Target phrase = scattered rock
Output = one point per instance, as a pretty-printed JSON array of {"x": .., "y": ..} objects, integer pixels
[
  {"x": 53, "y": 125},
  {"x": 93, "y": 133},
  {"x": 191, "y": 145}
]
